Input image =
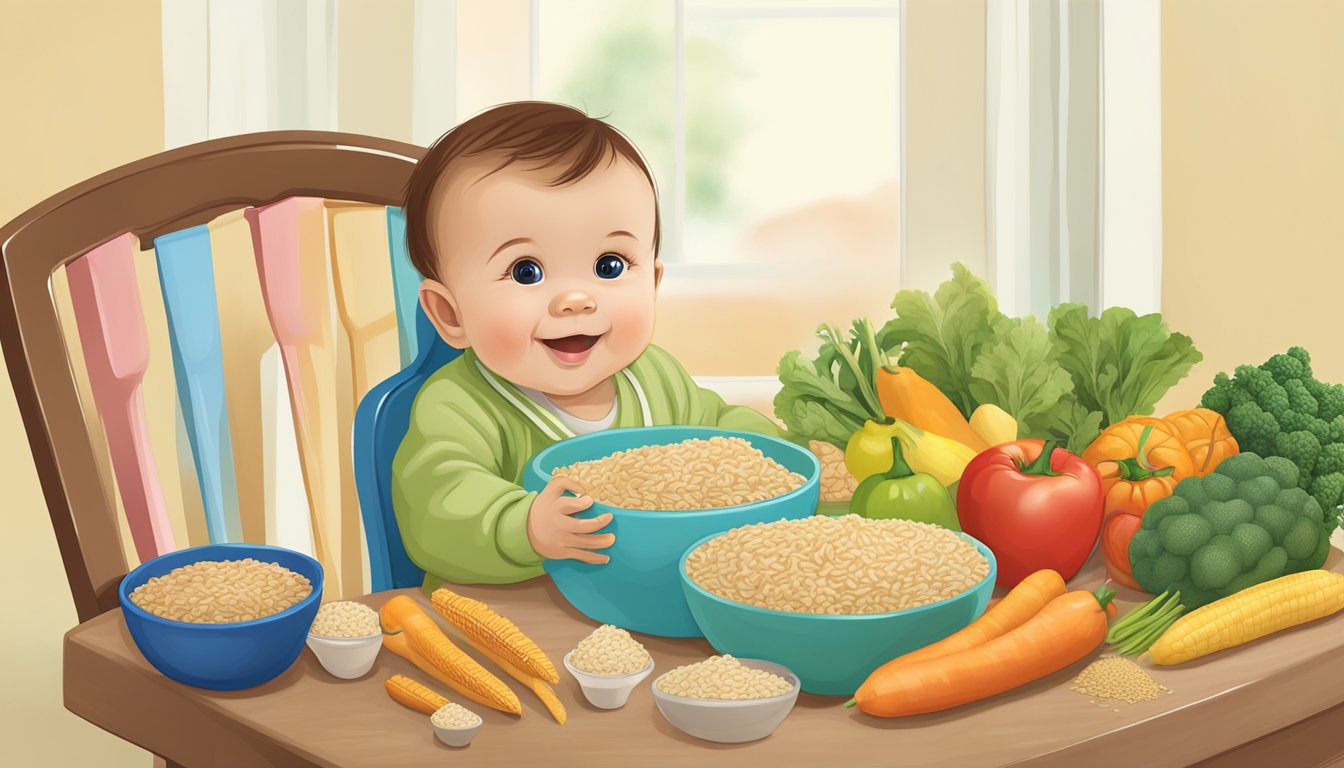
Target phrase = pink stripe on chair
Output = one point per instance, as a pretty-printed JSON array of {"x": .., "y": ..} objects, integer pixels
[
  {"x": 289, "y": 240},
  {"x": 112, "y": 335}
]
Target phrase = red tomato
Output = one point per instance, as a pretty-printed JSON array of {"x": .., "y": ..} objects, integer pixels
[{"x": 1031, "y": 516}]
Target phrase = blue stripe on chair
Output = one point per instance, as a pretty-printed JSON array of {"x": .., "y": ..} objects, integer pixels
[
  {"x": 380, "y": 424},
  {"x": 187, "y": 280},
  {"x": 405, "y": 283}
]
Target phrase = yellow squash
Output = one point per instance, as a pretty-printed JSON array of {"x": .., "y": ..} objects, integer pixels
[
  {"x": 932, "y": 454},
  {"x": 993, "y": 424}
]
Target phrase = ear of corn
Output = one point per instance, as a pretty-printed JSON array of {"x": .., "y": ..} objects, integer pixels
[
  {"x": 420, "y": 641},
  {"x": 406, "y": 691},
  {"x": 1249, "y": 614},
  {"x": 536, "y": 684},
  {"x": 486, "y": 628}
]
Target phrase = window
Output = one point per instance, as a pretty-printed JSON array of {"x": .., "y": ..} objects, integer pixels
[
  {"x": 772, "y": 128},
  {"x": 812, "y": 157}
]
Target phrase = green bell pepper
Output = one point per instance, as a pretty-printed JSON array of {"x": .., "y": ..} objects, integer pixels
[{"x": 901, "y": 493}]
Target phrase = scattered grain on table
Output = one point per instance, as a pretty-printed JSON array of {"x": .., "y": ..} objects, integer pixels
[
  {"x": 609, "y": 650},
  {"x": 1117, "y": 679},
  {"x": 345, "y": 618}
]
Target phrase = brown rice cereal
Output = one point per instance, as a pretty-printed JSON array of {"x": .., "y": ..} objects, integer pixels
[
  {"x": 836, "y": 483},
  {"x": 1118, "y": 679},
  {"x": 609, "y": 650},
  {"x": 222, "y": 592},
  {"x": 692, "y": 474},
  {"x": 452, "y": 715},
  {"x": 346, "y": 618},
  {"x": 843, "y": 565},
  {"x": 722, "y": 678}
]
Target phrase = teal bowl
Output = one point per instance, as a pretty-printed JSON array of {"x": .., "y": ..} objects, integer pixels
[
  {"x": 639, "y": 589},
  {"x": 832, "y": 655}
]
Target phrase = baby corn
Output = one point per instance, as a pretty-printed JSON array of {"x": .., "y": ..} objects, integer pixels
[
  {"x": 498, "y": 635},
  {"x": 1251, "y": 613},
  {"x": 413, "y": 635},
  {"x": 406, "y": 691},
  {"x": 536, "y": 684}
]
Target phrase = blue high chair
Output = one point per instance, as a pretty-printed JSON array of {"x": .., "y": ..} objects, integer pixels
[{"x": 380, "y": 424}]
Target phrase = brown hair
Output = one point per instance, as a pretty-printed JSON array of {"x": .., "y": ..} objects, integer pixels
[{"x": 537, "y": 133}]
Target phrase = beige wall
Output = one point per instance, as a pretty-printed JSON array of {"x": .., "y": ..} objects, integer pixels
[
  {"x": 83, "y": 90},
  {"x": 1253, "y": 181}
]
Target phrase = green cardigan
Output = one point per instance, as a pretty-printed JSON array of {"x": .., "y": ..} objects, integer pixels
[{"x": 456, "y": 478}]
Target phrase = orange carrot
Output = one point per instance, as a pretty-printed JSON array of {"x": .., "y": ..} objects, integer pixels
[
  {"x": 1064, "y": 631},
  {"x": 1015, "y": 609}
]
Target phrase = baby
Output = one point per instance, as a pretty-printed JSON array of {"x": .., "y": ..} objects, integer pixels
[{"x": 536, "y": 229}]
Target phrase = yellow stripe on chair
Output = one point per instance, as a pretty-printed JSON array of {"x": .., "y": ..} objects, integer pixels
[
  {"x": 289, "y": 241},
  {"x": 370, "y": 351},
  {"x": 249, "y": 387}
]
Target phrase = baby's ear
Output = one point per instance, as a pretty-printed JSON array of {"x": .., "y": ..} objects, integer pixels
[
  {"x": 657, "y": 271},
  {"x": 442, "y": 311}
]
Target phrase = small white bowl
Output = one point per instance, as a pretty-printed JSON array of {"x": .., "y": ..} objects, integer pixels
[
  {"x": 730, "y": 722},
  {"x": 346, "y": 657},
  {"x": 457, "y": 737},
  {"x": 607, "y": 691}
]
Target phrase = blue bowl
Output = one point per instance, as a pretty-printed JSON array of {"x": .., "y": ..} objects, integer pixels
[
  {"x": 639, "y": 589},
  {"x": 222, "y": 657},
  {"x": 832, "y": 655}
]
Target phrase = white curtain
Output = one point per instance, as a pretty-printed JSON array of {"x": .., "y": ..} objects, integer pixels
[{"x": 1073, "y": 153}]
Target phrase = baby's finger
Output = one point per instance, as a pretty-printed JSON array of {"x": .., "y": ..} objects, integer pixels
[
  {"x": 586, "y": 556},
  {"x": 588, "y": 524},
  {"x": 557, "y": 487},
  {"x": 590, "y": 540},
  {"x": 568, "y": 505}
]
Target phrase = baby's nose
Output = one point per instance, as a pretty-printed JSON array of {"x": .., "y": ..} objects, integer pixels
[{"x": 572, "y": 303}]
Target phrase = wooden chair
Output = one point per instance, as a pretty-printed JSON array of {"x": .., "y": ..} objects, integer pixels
[{"x": 293, "y": 188}]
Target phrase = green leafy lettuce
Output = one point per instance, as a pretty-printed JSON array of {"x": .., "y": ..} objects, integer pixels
[
  {"x": 1066, "y": 380},
  {"x": 829, "y": 398}
]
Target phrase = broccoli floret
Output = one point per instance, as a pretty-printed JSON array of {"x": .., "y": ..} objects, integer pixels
[
  {"x": 1282, "y": 470},
  {"x": 1287, "y": 367},
  {"x": 1219, "y": 397},
  {"x": 1254, "y": 429},
  {"x": 1328, "y": 491},
  {"x": 1329, "y": 401},
  {"x": 1330, "y": 460},
  {"x": 1245, "y": 523},
  {"x": 1279, "y": 409},
  {"x": 1302, "y": 448},
  {"x": 1252, "y": 379},
  {"x": 1292, "y": 421},
  {"x": 1240, "y": 467},
  {"x": 1335, "y": 429},
  {"x": 1299, "y": 399},
  {"x": 1273, "y": 398}
]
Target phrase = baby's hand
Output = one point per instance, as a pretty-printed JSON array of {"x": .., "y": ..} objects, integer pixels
[{"x": 556, "y": 535}]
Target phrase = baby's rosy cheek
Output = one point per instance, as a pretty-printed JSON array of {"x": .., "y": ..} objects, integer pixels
[{"x": 509, "y": 335}]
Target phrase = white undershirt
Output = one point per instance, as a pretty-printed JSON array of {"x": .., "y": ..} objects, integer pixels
[{"x": 576, "y": 425}]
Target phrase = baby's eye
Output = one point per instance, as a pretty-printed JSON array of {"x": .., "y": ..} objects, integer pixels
[
  {"x": 609, "y": 266},
  {"x": 526, "y": 272}
]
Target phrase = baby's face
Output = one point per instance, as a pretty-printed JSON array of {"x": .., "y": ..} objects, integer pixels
[{"x": 553, "y": 287}]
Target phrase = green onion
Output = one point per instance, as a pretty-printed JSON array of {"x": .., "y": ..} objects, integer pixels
[{"x": 1137, "y": 630}]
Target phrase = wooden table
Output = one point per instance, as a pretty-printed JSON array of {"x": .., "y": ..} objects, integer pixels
[{"x": 1279, "y": 697}]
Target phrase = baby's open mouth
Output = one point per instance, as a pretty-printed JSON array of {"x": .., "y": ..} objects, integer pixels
[{"x": 571, "y": 349}]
